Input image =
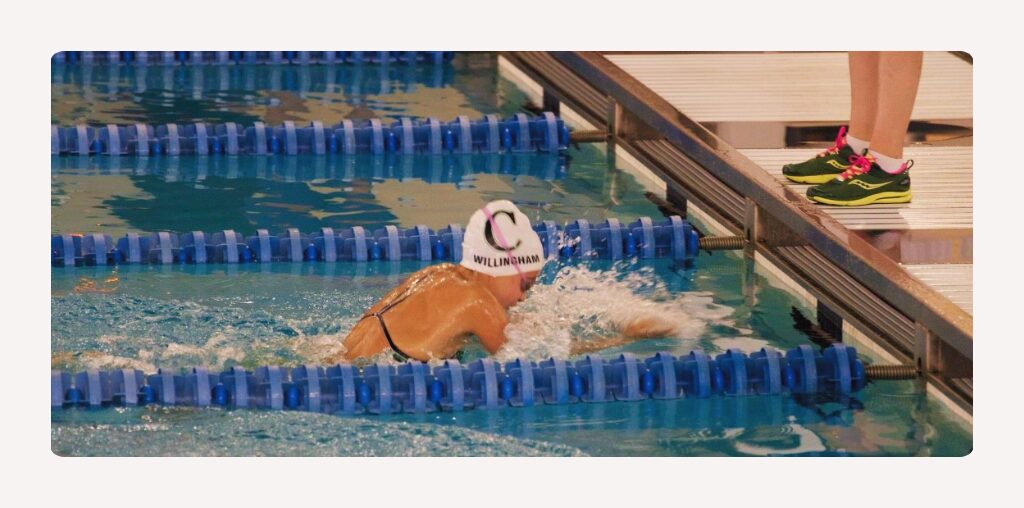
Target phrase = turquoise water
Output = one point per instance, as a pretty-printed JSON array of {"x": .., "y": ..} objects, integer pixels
[
  {"x": 217, "y": 316},
  {"x": 104, "y": 94}
]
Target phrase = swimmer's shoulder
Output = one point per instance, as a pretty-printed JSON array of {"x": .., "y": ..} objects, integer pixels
[
  {"x": 427, "y": 282},
  {"x": 444, "y": 274},
  {"x": 453, "y": 278}
]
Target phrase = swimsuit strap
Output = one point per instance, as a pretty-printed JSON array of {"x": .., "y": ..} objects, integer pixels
[
  {"x": 387, "y": 335},
  {"x": 380, "y": 318}
]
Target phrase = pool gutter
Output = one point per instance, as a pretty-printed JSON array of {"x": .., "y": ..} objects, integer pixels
[{"x": 847, "y": 275}]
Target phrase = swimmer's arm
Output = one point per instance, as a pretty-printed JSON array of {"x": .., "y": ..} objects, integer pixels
[
  {"x": 639, "y": 328},
  {"x": 488, "y": 324},
  {"x": 579, "y": 346},
  {"x": 645, "y": 327}
]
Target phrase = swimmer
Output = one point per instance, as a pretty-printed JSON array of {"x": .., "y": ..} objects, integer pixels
[{"x": 437, "y": 310}]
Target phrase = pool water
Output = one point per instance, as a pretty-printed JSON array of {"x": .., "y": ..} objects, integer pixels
[
  {"x": 102, "y": 94},
  {"x": 151, "y": 317}
]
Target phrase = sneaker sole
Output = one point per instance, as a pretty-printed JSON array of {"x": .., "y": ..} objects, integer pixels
[
  {"x": 813, "y": 179},
  {"x": 881, "y": 197}
]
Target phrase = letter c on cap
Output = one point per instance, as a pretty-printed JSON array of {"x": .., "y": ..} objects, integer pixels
[{"x": 489, "y": 235}]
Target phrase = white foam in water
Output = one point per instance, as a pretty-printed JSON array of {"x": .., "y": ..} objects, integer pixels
[
  {"x": 585, "y": 304},
  {"x": 101, "y": 360},
  {"x": 214, "y": 352},
  {"x": 581, "y": 303},
  {"x": 744, "y": 344},
  {"x": 320, "y": 349},
  {"x": 226, "y": 347}
]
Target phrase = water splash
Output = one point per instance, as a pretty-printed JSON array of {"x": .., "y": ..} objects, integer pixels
[
  {"x": 588, "y": 304},
  {"x": 104, "y": 331},
  {"x": 108, "y": 332}
]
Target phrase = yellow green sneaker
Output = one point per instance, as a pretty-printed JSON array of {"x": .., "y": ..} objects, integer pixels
[
  {"x": 864, "y": 183},
  {"x": 822, "y": 167}
]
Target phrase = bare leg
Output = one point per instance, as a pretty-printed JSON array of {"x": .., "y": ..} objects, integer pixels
[
  {"x": 863, "y": 93},
  {"x": 899, "y": 73}
]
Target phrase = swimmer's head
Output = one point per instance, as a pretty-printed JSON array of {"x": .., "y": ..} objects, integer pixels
[
  {"x": 510, "y": 289},
  {"x": 500, "y": 242}
]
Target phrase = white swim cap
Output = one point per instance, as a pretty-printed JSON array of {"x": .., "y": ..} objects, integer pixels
[{"x": 483, "y": 247}]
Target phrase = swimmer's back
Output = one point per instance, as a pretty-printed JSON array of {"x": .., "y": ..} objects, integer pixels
[
  {"x": 423, "y": 315},
  {"x": 421, "y": 283}
]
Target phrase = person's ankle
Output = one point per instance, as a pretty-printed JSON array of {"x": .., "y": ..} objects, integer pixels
[
  {"x": 856, "y": 144},
  {"x": 888, "y": 164}
]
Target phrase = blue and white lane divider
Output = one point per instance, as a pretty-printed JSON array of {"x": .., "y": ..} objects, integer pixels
[
  {"x": 672, "y": 237},
  {"x": 452, "y": 168},
  {"x": 490, "y": 134},
  {"x": 250, "y": 57},
  {"x": 196, "y": 81},
  {"x": 414, "y": 387}
]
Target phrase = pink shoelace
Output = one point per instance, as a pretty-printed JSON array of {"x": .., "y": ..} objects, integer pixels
[
  {"x": 859, "y": 164},
  {"x": 840, "y": 143}
]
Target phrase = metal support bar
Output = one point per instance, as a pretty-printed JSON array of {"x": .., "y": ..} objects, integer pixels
[
  {"x": 629, "y": 127},
  {"x": 750, "y": 228},
  {"x": 830, "y": 320},
  {"x": 550, "y": 103},
  {"x": 890, "y": 372},
  {"x": 677, "y": 199},
  {"x": 611, "y": 106},
  {"x": 722, "y": 243},
  {"x": 925, "y": 351},
  {"x": 934, "y": 357},
  {"x": 588, "y": 136}
]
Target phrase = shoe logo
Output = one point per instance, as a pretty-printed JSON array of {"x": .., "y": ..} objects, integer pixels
[
  {"x": 867, "y": 186},
  {"x": 838, "y": 165}
]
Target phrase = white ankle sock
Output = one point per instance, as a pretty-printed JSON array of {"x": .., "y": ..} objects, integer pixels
[
  {"x": 888, "y": 164},
  {"x": 858, "y": 145}
]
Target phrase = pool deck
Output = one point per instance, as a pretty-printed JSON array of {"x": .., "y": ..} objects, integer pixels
[
  {"x": 943, "y": 202},
  {"x": 787, "y": 87},
  {"x": 717, "y": 127},
  {"x": 813, "y": 88}
]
